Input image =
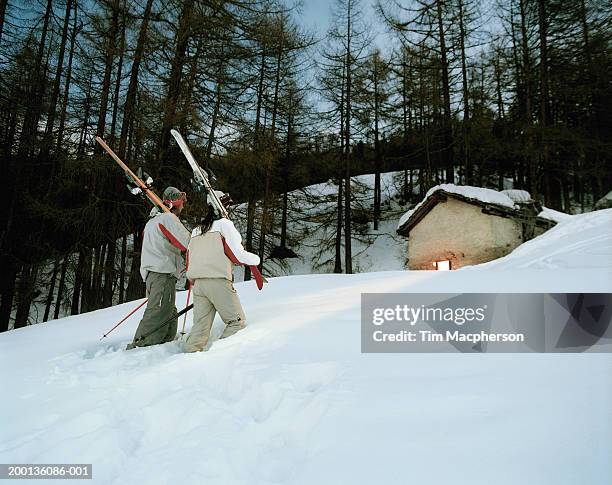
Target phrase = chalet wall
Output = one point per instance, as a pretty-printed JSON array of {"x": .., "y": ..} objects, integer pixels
[{"x": 457, "y": 231}]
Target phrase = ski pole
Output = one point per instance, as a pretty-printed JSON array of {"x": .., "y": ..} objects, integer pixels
[
  {"x": 182, "y": 312},
  {"x": 125, "y": 318},
  {"x": 185, "y": 317}
]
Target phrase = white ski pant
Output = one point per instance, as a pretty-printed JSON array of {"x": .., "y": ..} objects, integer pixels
[{"x": 212, "y": 295}]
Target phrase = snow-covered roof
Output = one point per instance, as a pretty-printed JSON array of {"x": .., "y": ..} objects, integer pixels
[
  {"x": 480, "y": 194},
  {"x": 518, "y": 196},
  {"x": 605, "y": 202},
  {"x": 553, "y": 215}
]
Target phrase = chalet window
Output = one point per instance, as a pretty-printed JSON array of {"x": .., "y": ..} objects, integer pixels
[{"x": 442, "y": 265}]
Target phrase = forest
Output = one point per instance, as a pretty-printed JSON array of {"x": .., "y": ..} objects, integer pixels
[{"x": 465, "y": 91}]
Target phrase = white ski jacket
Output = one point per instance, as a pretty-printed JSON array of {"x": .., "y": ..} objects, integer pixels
[
  {"x": 206, "y": 254},
  {"x": 164, "y": 239}
]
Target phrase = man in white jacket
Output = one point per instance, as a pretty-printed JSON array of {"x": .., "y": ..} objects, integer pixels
[
  {"x": 161, "y": 264},
  {"x": 213, "y": 248}
]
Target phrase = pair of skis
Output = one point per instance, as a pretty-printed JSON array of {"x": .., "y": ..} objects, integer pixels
[
  {"x": 200, "y": 178},
  {"x": 139, "y": 186}
]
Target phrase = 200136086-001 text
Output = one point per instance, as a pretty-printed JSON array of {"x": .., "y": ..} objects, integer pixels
[{"x": 47, "y": 471}]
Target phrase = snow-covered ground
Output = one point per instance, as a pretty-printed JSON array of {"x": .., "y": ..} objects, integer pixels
[
  {"x": 580, "y": 241},
  {"x": 291, "y": 399}
]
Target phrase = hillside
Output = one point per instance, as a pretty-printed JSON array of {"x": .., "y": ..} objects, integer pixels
[{"x": 312, "y": 228}]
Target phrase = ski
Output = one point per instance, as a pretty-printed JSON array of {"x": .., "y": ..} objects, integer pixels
[
  {"x": 201, "y": 180},
  {"x": 200, "y": 175},
  {"x": 140, "y": 187}
]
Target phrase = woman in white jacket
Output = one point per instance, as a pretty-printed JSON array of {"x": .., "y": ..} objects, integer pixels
[{"x": 212, "y": 249}]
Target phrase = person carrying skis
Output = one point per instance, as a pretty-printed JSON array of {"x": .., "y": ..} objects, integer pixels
[
  {"x": 215, "y": 245},
  {"x": 161, "y": 264}
]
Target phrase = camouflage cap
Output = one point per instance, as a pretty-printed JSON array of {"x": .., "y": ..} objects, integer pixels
[{"x": 174, "y": 197}]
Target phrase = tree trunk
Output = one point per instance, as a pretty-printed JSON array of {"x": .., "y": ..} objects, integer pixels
[
  {"x": 377, "y": 154},
  {"x": 585, "y": 36},
  {"x": 118, "y": 79},
  {"x": 60, "y": 289},
  {"x": 48, "y": 142},
  {"x": 348, "y": 254},
  {"x": 109, "y": 274},
  {"x": 285, "y": 173},
  {"x": 264, "y": 223},
  {"x": 51, "y": 290},
  {"x": 194, "y": 60},
  {"x": 130, "y": 100},
  {"x": 339, "y": 218},
  {"x": 405, "y": 113},
  {"x": 519, "y": 88},
  {"x": 340, "y": 163},
  {"x": 97, "y": 296},
  {"x": 111, "y": 44},
  {"x": 3, "y": 4},
  {"x": 498, "y": 88},
  {"x": 86, "y": 285},
  {"x": 122, "y": 269},
  {"x": 8, "y": 277},
  {"x": 251, "y": 206},
  {"x": 213, "y": 123},
  {"x": 410, "y": 185},
  {"x": 256, "y": 148},
  {"x": 135, "y": 288},
  {"x": 62, "y": 122},
  {"x": 531, "y": 160},
  {"x": 27, "y": 285},
  {"x": 284, "y": 213},
  {"x": 78, "y": 283},
  {"x": 270, "y": 158},
  {"x": 551, "y": 180},
  {"x": 567, "y": 201},
  {"x": 85, "y": 127},
  {"x": 466, "y": 103},
  {"x": 174, "y": 82},
  {"x": 56, "y": 88},
  {"x": 447, "y": 128}
]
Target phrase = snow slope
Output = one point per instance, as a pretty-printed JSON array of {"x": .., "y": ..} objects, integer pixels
[
  {"x": 577, "y": 241},
  {"x": 291, "y": 400}
]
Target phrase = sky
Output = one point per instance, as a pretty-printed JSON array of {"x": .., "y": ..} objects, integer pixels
[{"x": 316, "y": 14}]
